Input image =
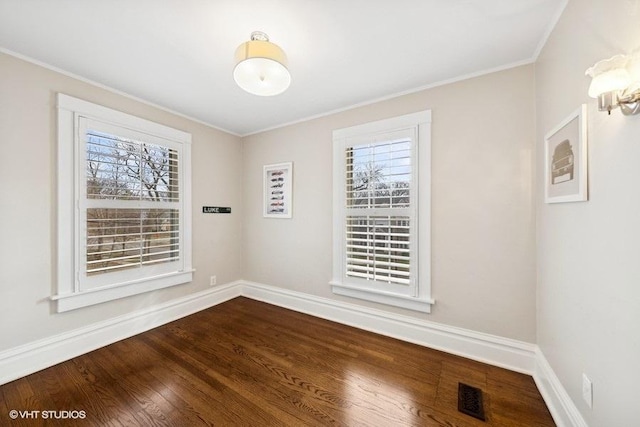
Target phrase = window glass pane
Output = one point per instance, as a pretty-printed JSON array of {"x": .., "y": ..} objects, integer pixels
[
  {"x": 378, "y": 174},
  {"x": 159, "y": 173},
  {"x": 119, "y": 239},
  {"x": 124, "y": 169},
  {"x": 378, "y": 248}
]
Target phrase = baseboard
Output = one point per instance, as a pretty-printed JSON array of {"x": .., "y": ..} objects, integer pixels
[
  {"x": 498, "y": 351},
  {"x": 27, "y": 359},
  {"x": 494, "y": 350},
  {"x": 563, "y": 410}
]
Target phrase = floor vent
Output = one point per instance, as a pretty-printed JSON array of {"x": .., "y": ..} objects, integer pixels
[{"x": 470, "y": 401}]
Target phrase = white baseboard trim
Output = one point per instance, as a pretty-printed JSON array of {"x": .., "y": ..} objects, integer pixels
[
  {"x": 503, "y": 352},
  {"x": 498, "y": 351},
  {"x": 20, "y": 361},
  {"x": 563, "y": 410}
]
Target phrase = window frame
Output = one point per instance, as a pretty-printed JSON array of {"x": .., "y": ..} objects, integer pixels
[
  {"x": 73, "y": 114},
  {"x": 417, "y": 298}
]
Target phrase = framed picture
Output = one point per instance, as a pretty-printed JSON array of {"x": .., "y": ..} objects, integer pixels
[
  {"x": 277, "y": 184},
  {"x": 565, "y": 156}
]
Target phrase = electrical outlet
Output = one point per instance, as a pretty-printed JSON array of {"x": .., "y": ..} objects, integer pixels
[
  {"x": 587, "y": 390},
  {"x": 213, "y": 281}
]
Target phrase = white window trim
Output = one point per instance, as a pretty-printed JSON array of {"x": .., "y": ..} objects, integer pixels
[
  {"x": 341, "y": 285},
  {"x": 69, "y": 296}
]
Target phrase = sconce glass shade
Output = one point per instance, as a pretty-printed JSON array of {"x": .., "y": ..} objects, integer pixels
[
  {"x": 609, "y": 81},
  {"x": 261, "y": 66},
  {"x": 615, "y": 82}
]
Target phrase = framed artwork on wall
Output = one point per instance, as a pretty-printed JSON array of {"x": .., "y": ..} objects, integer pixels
[
  {"x": 565, "y": 156},
  {"x": 277, "y": 186}
]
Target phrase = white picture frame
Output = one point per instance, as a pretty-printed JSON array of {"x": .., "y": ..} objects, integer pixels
[
  {"x": 277, "y": 190},
  {"x": 565, "y": 157}
]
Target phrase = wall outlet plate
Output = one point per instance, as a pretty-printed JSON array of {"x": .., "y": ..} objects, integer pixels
[
  {"x": 587, "y": 390},
  {"x": 213, "y": 280}
]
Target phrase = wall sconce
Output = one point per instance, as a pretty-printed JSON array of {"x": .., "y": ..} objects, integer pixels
[
  {"x": 261, "y": 66},
  {"x": 616, "y": 83}
]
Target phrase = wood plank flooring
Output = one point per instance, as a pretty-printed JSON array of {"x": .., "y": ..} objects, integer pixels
[{"x": 247, "y": 363}]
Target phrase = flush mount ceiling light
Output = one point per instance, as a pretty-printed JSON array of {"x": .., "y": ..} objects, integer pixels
[
  {"x": 261, "y": 66},
  {"x": 616, "y": 83}
]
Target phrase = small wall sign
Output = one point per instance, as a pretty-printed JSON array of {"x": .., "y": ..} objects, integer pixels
[{"x": 216, "y": 209}]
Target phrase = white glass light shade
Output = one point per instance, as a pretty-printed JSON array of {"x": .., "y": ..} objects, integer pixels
[
  {"x": 615, "y": 82},
  {"x": 609, "y": 81},
  {"x": 634, "y": 72},
  {"x": 261, "y": 68}
]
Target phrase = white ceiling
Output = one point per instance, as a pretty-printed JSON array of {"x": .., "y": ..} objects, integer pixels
[{"x": 178, "y": 54}]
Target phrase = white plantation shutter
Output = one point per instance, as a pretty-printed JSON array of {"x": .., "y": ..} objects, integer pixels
[
  {"x": 118, "y": 239},
  {"x": 377, "y": 195},
  {"x": 130, "y": 205},
  {"x": 124, "y": 205},
  {"x": 379, "y": 174},
  {"x": 378, "y": 248},
  {"x": 379, "y": 213}
]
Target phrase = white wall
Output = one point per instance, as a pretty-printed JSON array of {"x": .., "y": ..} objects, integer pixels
[
  {"x": 28, "y": 207},
  {"x": 588, "y": 252},
  {"x": 482, "y": 210}
]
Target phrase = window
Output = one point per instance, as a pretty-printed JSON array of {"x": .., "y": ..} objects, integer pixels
[
  {"x": 382, "y": 211},
  {"x": 124, "y": 216}
]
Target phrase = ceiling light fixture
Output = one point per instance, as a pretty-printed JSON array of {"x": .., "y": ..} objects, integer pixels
[
  {"x": 261, "y": 66},
  {"x": 616, "y": 83}
]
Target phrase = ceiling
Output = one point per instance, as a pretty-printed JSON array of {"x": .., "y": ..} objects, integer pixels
[{"x": 178, "y": 54}]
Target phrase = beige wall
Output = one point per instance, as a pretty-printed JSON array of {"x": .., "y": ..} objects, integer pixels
[
  {"x": 588, "y": 252},
  {"x": 482, "y": 206},
  {"x": 27, "y": 203}
]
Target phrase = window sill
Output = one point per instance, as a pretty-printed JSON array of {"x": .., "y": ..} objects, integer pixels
[
  {"x": 73, "y": 301},
  {"x": 410, "y": 303}
]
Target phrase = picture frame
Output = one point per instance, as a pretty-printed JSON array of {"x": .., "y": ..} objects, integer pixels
[
  {"x": 565, "y": 157},
  {"x": 277, "y": 190}
]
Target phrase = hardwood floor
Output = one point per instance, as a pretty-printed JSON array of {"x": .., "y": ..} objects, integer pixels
[{"x": 246, "y": 363}]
